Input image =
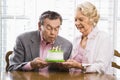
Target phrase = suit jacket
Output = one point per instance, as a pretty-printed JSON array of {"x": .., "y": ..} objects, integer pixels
[{"x": 27, "y": 48}]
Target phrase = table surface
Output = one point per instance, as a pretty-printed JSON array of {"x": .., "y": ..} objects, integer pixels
[{"x": 17, "y": 75}]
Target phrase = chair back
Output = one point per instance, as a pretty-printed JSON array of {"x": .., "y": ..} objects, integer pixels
[
  {"x": 7, "y": 58},
  {"x": 114, "y": 64}
]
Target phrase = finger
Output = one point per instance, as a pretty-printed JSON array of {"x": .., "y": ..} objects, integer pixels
[
  {"x": 42, "y": 64},
  {"x": 68, "y": 60},
  {"x": 65, "y": 63}
]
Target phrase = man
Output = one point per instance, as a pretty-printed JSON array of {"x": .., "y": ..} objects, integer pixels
[{"x": 31, "y": 48}]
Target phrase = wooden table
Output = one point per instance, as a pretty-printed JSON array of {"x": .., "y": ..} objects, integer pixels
[{"x": 17, "y": 75}]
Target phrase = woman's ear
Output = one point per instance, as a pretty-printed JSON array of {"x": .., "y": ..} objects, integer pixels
[{"x": 39, "y": 26}]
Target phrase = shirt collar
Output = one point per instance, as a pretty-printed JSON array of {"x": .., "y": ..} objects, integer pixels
[{"x": 93, "y": 33}]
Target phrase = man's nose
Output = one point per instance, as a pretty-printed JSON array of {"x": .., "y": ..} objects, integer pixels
[{"x": 53, "y": 31}]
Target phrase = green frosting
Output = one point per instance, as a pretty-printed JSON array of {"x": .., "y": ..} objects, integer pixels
[
  {"x": 54, "y": 60},
  {"x": 53, "y": 51}
]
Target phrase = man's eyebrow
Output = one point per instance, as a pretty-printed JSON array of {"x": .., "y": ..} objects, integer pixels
[
  {"x": 49, "y": 25},
  {"x": 52, "y": 27}
]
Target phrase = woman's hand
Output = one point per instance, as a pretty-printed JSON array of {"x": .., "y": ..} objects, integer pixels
[{"x": 72, "y": 64}]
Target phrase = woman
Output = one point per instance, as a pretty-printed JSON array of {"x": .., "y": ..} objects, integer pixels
[{"x": 93, "y": 49}]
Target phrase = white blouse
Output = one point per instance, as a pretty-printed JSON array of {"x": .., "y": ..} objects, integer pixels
[{"x": 99, "y": 51}]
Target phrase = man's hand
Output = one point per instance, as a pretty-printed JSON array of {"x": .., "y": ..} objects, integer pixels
[{"x": 38, "y": 63}]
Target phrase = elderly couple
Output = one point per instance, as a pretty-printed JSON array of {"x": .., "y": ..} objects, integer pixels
[{"x": 93, "y": 47}]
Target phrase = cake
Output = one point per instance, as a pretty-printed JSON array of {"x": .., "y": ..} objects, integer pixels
[{"x": 55, "y": 55}]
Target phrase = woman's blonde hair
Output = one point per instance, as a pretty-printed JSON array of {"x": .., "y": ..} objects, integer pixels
[{"x": 89, "y": 10}]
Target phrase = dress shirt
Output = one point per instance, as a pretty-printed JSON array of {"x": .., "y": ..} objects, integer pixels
[
  {"x": 98, "y": 52},
  {"x": 80, "y": 57},
  {"x": 44, "y": 47}
]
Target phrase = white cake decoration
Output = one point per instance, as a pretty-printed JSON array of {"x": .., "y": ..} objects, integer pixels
[{"x": 55, "y": 55}]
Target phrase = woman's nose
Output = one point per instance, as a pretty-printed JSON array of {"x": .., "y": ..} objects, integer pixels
[{"x": 77, "y": 22}]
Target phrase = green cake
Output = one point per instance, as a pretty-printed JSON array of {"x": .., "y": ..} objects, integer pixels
[{"x": 55, "y": 55}]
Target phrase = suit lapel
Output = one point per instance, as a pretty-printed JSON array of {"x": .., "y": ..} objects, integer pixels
[{"x": 35, "y": 44}]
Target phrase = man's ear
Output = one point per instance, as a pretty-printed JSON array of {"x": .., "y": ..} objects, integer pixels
[{"x": 39, "y": 26}]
